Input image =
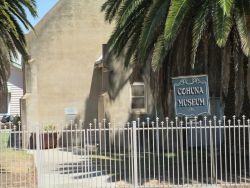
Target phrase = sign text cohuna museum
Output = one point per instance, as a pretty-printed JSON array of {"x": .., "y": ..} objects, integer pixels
[{"x": 191, "y": 95}]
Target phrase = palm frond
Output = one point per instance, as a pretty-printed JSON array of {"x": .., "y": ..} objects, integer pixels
[
  {"x": 129, "y": 8},
  {"x": 158, "y": 53},
  {"x": 222, "y": 25},
  {"x": 151, "y": 27},
  {"x": 176, "y": 14},
  {"x": 199, "y": 26},
  {"x": 111, "y": 8},
  {"x": 226, "y": 6},
  {"x": 242, "y": 13},
  {"x": 12, "y": 15},
  {"x": 122, "y": 34}
]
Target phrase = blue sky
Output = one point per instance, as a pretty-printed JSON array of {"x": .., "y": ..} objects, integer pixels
[{"x": 43, "y": 7}]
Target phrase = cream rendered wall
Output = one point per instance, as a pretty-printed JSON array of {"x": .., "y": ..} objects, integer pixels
[
  {"x": 67, "y": 42},
  {"x": 118, "y": 109},
  {"x": 118, "y": 106}
]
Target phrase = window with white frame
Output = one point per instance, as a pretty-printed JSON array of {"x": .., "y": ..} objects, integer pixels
[{"x": 138, "y": 96}]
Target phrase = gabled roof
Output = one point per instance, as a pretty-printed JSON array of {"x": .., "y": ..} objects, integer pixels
[
  {"x": 62, "y": 10},
  {"x": 48, "y": 16}
]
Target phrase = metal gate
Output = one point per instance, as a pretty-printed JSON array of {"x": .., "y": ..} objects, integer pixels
[{"x": 183, "y": 152}]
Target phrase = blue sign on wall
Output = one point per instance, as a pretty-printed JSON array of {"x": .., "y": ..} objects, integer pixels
[{"x": 191, "y": 95}]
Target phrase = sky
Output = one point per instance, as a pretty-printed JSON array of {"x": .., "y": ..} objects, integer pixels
[{"x": 43, "y": 7}]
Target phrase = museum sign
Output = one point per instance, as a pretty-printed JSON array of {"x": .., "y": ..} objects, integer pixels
[{"x": 191, "y": 95}]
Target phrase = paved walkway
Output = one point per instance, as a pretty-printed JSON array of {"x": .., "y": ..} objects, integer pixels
[
  {"x": 62, "y": 169},
  {"x": 59, "y": 169}
]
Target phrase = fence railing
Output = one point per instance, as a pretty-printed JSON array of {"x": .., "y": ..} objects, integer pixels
[{"x": 148, "y": 153}]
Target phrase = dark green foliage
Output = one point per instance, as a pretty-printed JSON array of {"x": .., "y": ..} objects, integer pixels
[
  {"x": 12, "y": 40},
  {"x": 181, "y": 37}
]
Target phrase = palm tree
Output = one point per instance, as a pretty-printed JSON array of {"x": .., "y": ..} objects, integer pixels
[
  {"x": 12, "y": 39},
  {"x": 181, "y": 37}
]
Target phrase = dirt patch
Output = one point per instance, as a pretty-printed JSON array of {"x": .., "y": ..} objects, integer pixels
[{"x": 17, "y": 169}]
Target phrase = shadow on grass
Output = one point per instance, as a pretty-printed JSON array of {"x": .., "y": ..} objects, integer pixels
[
  {"x": 166, "y": 168},
  {"x": 162, "y": 160}
]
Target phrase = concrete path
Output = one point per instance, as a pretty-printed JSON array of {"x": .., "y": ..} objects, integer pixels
[
  {"x": 59, "y": 169},
  {"x": 63, "y": 169}
]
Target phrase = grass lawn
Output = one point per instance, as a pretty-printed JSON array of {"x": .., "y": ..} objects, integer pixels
[
  {"x": 4, "y": 138},
  {"x": 17, "y": 169}
]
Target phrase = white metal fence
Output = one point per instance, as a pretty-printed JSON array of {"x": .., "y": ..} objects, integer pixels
[{"x": 183, "y": 152}]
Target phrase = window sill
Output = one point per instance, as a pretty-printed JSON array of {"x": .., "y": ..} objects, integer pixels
[{"x": 138, "y": 111}]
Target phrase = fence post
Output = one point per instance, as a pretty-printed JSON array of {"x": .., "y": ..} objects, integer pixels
[
  {"x": 38, "y": 157},
  {"x": 135, "y": 155}
]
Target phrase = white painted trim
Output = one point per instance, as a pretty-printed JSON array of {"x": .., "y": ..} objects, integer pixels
[
  {"x": 189, "y": 76},
  {"x": 138, "y": 110}
]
